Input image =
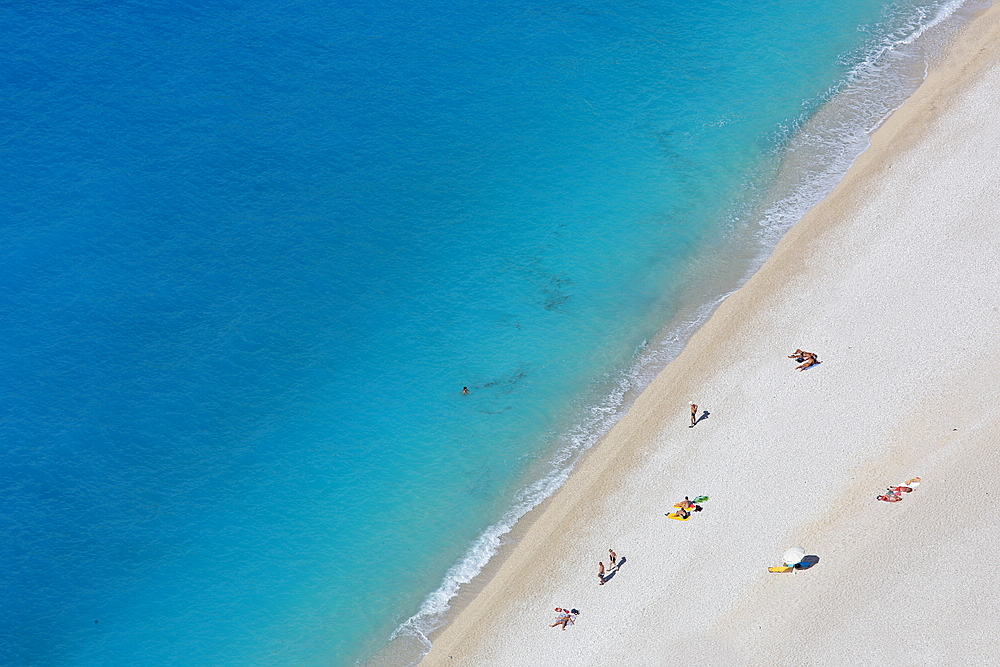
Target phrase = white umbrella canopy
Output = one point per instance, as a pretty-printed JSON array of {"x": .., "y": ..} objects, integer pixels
[{"x": 793, "y": 556}]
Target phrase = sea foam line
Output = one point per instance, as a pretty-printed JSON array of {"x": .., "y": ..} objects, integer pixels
[
  {"x": 824, "y": 144},
  {"x": 871, "y": 90}
]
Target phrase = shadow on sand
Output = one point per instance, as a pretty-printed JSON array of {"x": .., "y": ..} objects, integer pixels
[
  {"x": 610, "y": 575},
  {"x": 807, "y": 562}
]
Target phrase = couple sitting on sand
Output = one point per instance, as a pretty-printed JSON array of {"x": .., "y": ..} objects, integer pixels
[
  {"x": 685, "y": 507},
  {"x": 895, "y": 493},
  {"x": 807, "y": 359}
]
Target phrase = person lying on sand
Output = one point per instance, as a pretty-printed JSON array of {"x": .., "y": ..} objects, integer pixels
[
  {"x": 563, "y": 621},
  {"x": 810, "y": 361},
  {"x": 807, "y": 359},
  {"x": 564, "y": 618},
  {"x": 895, "y": 493}
]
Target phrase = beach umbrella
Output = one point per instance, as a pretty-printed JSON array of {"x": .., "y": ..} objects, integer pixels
[{"x": 793, "y": 556}]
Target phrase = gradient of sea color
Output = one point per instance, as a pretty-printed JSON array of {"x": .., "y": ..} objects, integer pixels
[{"x": 252, "y": 252}]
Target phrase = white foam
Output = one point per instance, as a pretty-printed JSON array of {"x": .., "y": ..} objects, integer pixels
[{"x": 822, "y": 146}]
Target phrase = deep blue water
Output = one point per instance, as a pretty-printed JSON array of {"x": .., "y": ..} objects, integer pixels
[{"x": 253, "y": 251}]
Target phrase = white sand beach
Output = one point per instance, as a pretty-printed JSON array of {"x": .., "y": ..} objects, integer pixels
[{"x": 894, "y": 281}]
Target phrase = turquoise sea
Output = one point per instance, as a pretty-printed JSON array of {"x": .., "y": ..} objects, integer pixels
[{"x": 252, "y": 252}]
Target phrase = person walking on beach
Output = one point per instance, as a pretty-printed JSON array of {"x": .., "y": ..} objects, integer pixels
[
  {"x": 600, "y": 572},
  {"x": 612, "y": 557},
  {"x": 694, "y": 415}
]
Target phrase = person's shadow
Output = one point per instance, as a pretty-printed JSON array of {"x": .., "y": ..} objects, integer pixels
[
  {"x": 610, "y": 575},
  {"x": 704, "y": 415}
]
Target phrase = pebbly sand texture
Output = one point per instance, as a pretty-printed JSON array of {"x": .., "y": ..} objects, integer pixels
[{"x": 893, "y": 281}]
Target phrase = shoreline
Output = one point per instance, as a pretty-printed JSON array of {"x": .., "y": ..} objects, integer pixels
[
  {"x": 802, "y": 176},
  {"x": 644, "y": 453}
]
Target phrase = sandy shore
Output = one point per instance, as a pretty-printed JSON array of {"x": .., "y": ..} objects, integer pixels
[{"x": 893, "y": 280}]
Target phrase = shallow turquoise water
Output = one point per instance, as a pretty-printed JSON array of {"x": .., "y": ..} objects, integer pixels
[{"x": 254, "y": 251}]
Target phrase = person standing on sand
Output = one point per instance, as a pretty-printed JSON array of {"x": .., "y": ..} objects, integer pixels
[
  {"x": 612, "y": 557},
  {"x": 694, "y": 415},
  {"x": 600, "y": 572}
]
